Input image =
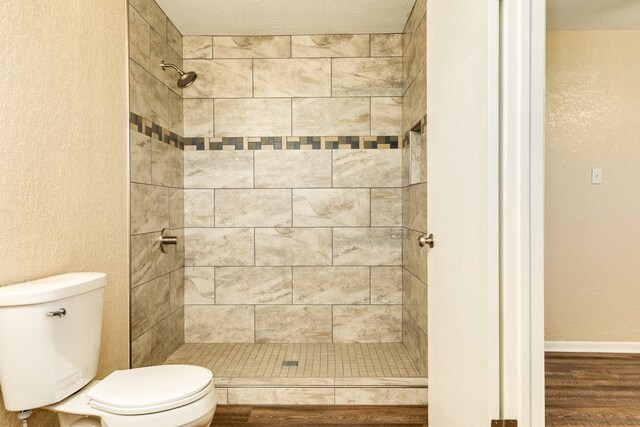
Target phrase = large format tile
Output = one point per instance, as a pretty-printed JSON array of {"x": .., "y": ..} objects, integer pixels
[
  {"x": 292, "y": 77},
  {"x": 331, "y": 207},
  {"x": 331, "y": 116},
  {"x": 253, "y": 208},
  {"x": 211, "y": 323},
  {"x": 386, "y": 44},
  {"x": 415, "y": 56},
  {"x": 139, "y": 41},
  {"x": 149, "y": 208},
  {"x": 156, "y": 345},
  {"x": 176, "y": 289},
  {"x": 367, "y": 168},
  {"x": 253, "y": 285},
  {"x": 373, "y": 323},
  {"x": 197, "y": 47},
  {"x": 367, "y": 246},
  {"x": 293, "y": 168},
  {"x": 330, "y": 285},
  {"x": 147, "y": 96},
  {"x": 252, "y": 47},
  {"x": 152, "y": 13},
  {"x": 418, "y": 306},
  {"x": 386, "y": 116},
  {"x": 386, "y": 206},
  {"x": 386, "y": 285},
  {"x": 140, "y": 156},
  {"x": 414, "y": 102},
  {"x": 218, "y": 169},
  {"x": 331, "y": 45},
  {"x": 162, "y": 51},
  {"x": 293, "y": 323},
  {"x": 148, "y": 261},
  {"x": 176, "y": 113},
  {"x": 280, "y": 396},
  {"x": 220, "y": 78},
  {"x": 293, "y": 246},
  {"x": 149, "y": 304},
  {"x": 176, "y": 208},
  {"x": 199, "y": 285},
  {"x": 252, "y": 117},
  {"x": 414, "y": 256},
  {"x": 415, "y": 207},
  {"x": 167, "y": 163},
  {"x": 417, "y": 15},
  {"x": 381, "y": 396},
  {"x": 218, "y": 246},
  {"x": 411, "y": 337},
  {"x": 367, "y": 77},
  {"x": 174, "y": 38},
  {"x": 198, "y": 208},
  {"x": 198, "y": 117}
]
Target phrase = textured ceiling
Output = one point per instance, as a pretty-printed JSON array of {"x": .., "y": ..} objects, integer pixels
[
  {"x": 591, "y": 15},
  {"x": 272, "y": 17}
]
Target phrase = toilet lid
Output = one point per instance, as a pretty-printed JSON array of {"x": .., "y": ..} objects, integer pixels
[{"x": 152, "y": 389}]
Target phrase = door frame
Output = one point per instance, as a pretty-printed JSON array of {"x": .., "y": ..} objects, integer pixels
[{"x": 522, "y": 71}]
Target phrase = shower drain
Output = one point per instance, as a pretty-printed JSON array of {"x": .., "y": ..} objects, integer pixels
[{"x": 290, "y": 363}]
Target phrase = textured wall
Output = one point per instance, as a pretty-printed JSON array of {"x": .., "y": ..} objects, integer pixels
[
  {"x": 414, "y": 191},
  {"x": 592, "y": 231},
  {"x": 157, "y": 315},
  {"x": 63, "y": 174}
]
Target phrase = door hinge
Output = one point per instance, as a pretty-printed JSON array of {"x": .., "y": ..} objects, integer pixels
[{"x": 504, "y": 423}]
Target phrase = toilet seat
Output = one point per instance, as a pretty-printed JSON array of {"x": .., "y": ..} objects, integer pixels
[{"x": 152, "y": 389}]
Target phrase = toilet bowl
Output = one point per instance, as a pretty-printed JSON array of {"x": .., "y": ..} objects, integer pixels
[
  {"x": 162, "y": 396},
  {"x": 49, "y": 349}
]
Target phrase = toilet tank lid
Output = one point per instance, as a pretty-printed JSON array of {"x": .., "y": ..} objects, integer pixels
[{"x": 51, "y": 288}]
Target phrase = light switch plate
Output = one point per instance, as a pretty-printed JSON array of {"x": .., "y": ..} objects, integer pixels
[{"x": 596, "y": 176}]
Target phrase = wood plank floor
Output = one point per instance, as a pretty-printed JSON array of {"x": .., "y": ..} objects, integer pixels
[
  {"x": 325, "y": 416},
  {"x": 587, "y": 389}
]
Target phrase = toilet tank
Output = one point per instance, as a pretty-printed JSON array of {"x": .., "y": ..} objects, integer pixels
[{"x": 44, "y": 356}]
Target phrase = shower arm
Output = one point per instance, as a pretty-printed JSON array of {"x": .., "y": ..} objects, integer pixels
[{"x": 163, "y": 65}]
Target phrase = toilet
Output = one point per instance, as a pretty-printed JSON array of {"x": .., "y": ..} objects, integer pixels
[{"x": 49, "y": 348}]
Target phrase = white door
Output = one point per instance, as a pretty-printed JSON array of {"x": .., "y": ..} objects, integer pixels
[{"x": 463, "y": 211}]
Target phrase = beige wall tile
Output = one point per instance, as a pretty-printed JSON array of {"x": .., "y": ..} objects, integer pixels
[
  {"x": 414, "y": 58},
  {"x": 198, "y": 117},
  {"x": 221, "y": 396},
  {"x": 293, "y": 246},
  {"x": 140, "y": 152},
  {"x": 411, "y": 337},
  {"x": 330, "y": 285},
  {"x": 418, "y": 158},
  {"x": 381, "y": 381},
  {"x": 414, "y": 257},
  {"x": 198, "y": 208},
  {"x": 367, "y": 168},
  {"x": 367, "y": 246},
  {"x": 149, "y": 305},
  {"x": 417, "y": 15},
  {"x": 293, "y": 323},
  {"x": 252, "y": 47},
  {"x": 176, "y": 208},
  {"x": 148, "y": 262},
  {"x": 148, "y": 96},
  {"x": 293, "y": 168},
  {"x": 386, "y": 44},
  {"x": 415, "y": 207},
  {"x": 167, "y": 164},
  {"x": 176, "y": 291},
  {"x": 152, "y": 13},
  {"x": 252, "y": 117},
  {"x": 331, "y": 116},
  {"x": 367, "y": 77},
  {"x": 332, "y": 45},
  {"x": 149, "y": 208},
  {"x": 199, "y": 285},
  {"x": 386, "y": 285},
  {"x": 253, "y": 208},
  {"x": 381, "y": 396},
  {"x": 197, "y": 47},
  {"x": 424, "y": 355},
  {"x": 331, "y": 207},
  {"x": 386, "y": 207},
  {"x": 414, "y": 102},
  {"x": 154, "y": 346},
  {"x": 218, "y": 246},
  {"x": 139, "y": 41},
  {"x": 386, "y": 116},
  {"x": 418, "y": 306},
  {"x": 373, "y": 323},
  {"x": 253, "y": 285},
  {"x": 161, "y": 51},
  {"x": 218, "y": 169},
  {"x": 292, "y": 77},
  {"x": 174, "y": 38},
  {"x": 280, "y": 396},
  {"x": 220, "y": 78},
  {"x": 406, "y": 289},
  {"x": 210, "y": 323},
  {"x": 176, "y": 116}
]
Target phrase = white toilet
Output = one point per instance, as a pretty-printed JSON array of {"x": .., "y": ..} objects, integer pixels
[{"x": 49, "y": 347}]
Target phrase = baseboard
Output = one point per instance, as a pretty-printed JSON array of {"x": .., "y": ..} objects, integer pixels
[{"x": 591, "y": 347}]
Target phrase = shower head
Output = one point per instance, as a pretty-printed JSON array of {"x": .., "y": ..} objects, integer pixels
[{"x": 185, "y": 78}]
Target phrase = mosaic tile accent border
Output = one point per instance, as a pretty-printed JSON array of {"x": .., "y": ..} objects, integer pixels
[{"x": 149, "y": 128}]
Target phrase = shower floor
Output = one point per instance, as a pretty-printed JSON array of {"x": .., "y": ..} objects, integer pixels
[{"x": 325, "y": 374}]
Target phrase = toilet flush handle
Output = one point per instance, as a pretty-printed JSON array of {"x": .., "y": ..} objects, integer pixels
[{"x": 58, "y": 313}]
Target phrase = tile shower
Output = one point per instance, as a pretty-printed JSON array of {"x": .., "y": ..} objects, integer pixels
[{"x": 290, "y": 174}]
